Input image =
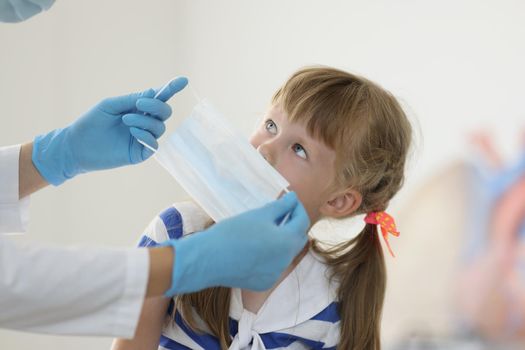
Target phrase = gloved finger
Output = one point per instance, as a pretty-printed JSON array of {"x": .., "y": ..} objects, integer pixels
[
  {"x": 158, "y": 109},
  {"x": 145, "y": 122},
  {"x": 124, "y": 104},
  {"x": 298, "y": 221},
  {"x": 279, "y": 208},
  {"x": 147, "y": 138},
  {"x": 171, "y": 88}
]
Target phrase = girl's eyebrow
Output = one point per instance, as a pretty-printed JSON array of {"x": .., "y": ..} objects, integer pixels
[{"x": 307, "y": 142}]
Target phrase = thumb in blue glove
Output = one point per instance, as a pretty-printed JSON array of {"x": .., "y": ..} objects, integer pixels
[
  {"x": 248, "y": 251},
  {"x": 106, "y": 136}
]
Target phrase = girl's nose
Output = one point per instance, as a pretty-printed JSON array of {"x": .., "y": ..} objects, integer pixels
[{"x": 265, "y": 150}]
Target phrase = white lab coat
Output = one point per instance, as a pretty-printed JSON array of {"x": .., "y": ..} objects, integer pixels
[{"x": 59, "y": 290}]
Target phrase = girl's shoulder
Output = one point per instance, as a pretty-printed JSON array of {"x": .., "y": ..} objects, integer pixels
[
  {"x": 174, "y": 222},
  {"x": 191, "y": 216}
]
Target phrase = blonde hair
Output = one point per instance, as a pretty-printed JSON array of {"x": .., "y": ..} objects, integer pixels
[{"x": 371, "y": 135}]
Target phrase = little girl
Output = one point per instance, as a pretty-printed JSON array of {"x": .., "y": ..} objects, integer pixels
[{"x": 341, "y": 142}]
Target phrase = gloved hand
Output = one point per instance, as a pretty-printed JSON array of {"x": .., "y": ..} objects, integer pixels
[
  {"x": 105, "y": 136},
  {"x": 12, "y": 11},
  {"x": 249, "y": 251}
]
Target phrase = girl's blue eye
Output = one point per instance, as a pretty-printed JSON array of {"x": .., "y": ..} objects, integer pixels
[
  {"x": 270, "y": 126},
  {"x": 300, "y": 151}
]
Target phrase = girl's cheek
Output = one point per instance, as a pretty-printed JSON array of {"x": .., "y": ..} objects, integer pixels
[{"x": 288, "y": 171}]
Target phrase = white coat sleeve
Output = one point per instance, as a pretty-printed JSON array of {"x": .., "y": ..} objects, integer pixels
[
  {"x": 14, "y": 213},
  {"x": 71, "y": 291}
]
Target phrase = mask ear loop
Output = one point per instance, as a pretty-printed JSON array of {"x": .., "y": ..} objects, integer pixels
[
  {"x": 287, "y": 216},
  {"x": 298, "y": 293},
  {"x": 195, "y": 95},
  {"x": 298, "y": 297}
]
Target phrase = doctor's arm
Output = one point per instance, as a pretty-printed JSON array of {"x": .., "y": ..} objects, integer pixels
[
  {"x": 79, "y": 291},
  {"x": 29, "y": 179}
]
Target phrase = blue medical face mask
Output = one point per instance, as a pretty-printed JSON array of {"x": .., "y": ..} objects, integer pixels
[
  {"x": 12, "y": 11},
  {"x": 217, "y": 166}
]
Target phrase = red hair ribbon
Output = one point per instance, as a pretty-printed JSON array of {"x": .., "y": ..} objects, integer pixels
[{"x": 387, "y": 224}]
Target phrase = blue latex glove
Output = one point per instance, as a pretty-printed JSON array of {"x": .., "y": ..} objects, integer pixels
[
  {"x": 12, "y": 11},
  {"x": 249, "y": 251},
  {"x": 106, "y": 136}
]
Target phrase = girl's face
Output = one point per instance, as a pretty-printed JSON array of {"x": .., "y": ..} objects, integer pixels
[{"x": 308, "y": 164}]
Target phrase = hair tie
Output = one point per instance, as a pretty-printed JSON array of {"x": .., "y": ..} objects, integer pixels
[{"x": 387, "y": 224}]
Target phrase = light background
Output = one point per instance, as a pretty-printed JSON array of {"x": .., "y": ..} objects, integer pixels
[{"x": 456, "y": 65}]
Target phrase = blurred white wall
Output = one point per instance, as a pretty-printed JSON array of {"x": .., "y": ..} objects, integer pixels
[{"x": 457, "y": 65}]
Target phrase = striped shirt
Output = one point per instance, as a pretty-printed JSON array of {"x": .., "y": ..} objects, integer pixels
[{"x": 300, "y": 313}]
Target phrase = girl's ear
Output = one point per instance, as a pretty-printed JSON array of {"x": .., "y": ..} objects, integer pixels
[{"x": 342, "y": 204}]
